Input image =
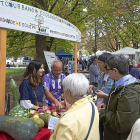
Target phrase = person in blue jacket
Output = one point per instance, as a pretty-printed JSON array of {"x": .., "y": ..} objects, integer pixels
[
  {"x": 134, "y": 71},
  {"x": 104, "y": 87},
  {"x": 83, "y": 64}
]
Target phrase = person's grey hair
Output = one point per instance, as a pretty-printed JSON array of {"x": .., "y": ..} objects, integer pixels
[
  {"x": 55, "y": 61},
  {"x": 120, "y": 62},
  {"x": 77, "y": 83}
]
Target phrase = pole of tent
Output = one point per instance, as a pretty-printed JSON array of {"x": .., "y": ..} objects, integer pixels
[
  {"x": 3, "y": 33},
  {"x": 75, "y": 64}
]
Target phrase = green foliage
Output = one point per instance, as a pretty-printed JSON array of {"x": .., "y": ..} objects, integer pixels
[
  {"x": 116, "y": 21},
  {"x": 16, "y": 70},
  {"x": 85, "y": 52}
]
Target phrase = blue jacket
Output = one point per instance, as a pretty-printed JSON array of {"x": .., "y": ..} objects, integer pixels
[
  {"x": 108, "y": 85},
  {"x": 135, "y": 72}
]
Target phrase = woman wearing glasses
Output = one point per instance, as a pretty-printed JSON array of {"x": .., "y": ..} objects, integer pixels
[{"x": 105, "y": 84}]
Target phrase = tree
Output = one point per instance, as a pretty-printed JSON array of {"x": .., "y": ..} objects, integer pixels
[
  {"x": 117, "y": 22},
  {"x": 71, "y": 10}
]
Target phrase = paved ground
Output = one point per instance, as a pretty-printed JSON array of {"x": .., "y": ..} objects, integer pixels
[{"x": 17, "y": 77}]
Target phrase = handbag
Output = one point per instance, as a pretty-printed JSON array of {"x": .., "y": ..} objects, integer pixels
[
  {"x": 37, "y": 103},
  {"x": 91, "y": 122}
]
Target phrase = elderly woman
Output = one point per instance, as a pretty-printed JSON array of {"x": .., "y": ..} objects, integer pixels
[{"x": 81, "y": 120}]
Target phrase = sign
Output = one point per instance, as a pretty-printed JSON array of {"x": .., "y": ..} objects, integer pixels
[
  {"x": 22, "y": 17},
  {"x": 70, "y": 66},
  {"x": 50, "y": 57}
]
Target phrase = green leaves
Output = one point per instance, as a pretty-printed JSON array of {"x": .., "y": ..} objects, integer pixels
[{"x": 115, "y": 20}]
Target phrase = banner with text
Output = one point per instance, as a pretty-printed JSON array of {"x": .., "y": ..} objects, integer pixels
[{"x": 22, "y": 17}]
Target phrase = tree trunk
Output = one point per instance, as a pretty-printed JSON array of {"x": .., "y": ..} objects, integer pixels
[{"x": 40, "y": 45}]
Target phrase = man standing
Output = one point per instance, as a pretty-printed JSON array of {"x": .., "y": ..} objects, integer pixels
[
  {"x": 53, "y": 85},
  {"x": 94, "y": 71},
  {"x": 134, "y": 71},
  {"x": 82, "y": 62},
  {"x": 123, "y": 105}
]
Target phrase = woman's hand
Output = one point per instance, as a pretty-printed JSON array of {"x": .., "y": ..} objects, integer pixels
[
  {"x": 35, "y": 107},
  {"x": 101, "y": 94}
]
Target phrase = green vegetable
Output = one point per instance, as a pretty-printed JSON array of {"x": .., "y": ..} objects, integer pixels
[
  {"x": 18, "y": 110},
  {"x": 45, "y": 118},
  {"x": 13, "y": 87},
  {"x": 39, "y": 122},
  {"x": 20, "y": 128}
]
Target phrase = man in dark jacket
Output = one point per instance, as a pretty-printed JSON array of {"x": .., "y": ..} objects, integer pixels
[
  {"x": 123, "y": 105},
  {"x": 135, "y": 71}
]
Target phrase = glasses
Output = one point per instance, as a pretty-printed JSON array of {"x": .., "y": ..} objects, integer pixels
[{"x": 109, "y": 69}]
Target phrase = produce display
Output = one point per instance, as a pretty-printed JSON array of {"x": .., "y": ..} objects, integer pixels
[
  {"x": 20, "y": 128},
  {"x": 91, "y": 98},
  {"x": 21, "y": 123}
]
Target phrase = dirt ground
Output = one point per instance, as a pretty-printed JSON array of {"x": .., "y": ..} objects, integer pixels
[{"x": 17, "y": 77}]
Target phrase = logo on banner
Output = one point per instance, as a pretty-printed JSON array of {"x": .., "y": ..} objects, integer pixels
[{"x": 40, "y": 20}]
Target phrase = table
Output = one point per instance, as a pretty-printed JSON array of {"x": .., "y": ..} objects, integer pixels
[
  {"x": 82, "y": 71},
  {"x": 43, "y": 134}
]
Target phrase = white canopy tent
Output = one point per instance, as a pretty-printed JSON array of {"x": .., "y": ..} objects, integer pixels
[
  {"x": 99, "y": 53},
  {"x": 127, "y": 51},
  {"x": 131, "y": 52}
]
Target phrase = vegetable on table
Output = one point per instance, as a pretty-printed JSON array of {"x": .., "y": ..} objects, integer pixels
[
  {"x": 20, "y": 128},
  {"x": 45, "y": 118},
  {"x": 18, "y": 110},
  {"x": 39, "y": 122}
]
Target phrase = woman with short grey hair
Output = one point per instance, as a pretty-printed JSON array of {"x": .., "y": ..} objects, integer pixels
[
  {"x": 81, "y": 120},
  {"x": 76, "y": 85}
]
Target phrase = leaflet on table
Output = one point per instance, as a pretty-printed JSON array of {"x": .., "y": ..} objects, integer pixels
[{"x": 52, "y": 122}]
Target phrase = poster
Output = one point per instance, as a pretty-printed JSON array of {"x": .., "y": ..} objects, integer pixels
[
  {"x": 50, "y": 57},
  {"x": 70, "y": 66}
]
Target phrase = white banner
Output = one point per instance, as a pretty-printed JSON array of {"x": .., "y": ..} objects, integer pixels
[{"x": 22, "y": 17}]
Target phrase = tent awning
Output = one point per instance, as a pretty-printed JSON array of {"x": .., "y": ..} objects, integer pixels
[
  {"x": 62, "y": 53},
  {"x": 127, "y": 51}
]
